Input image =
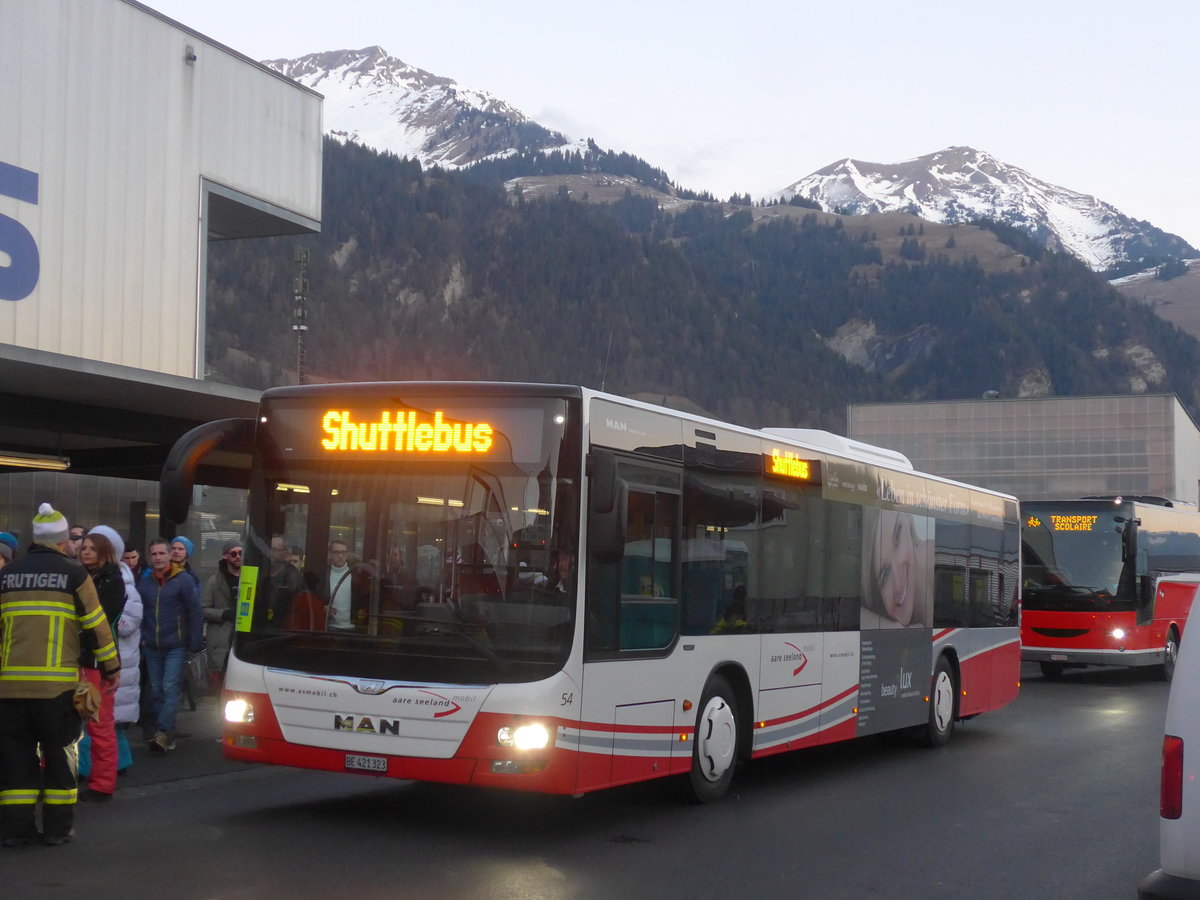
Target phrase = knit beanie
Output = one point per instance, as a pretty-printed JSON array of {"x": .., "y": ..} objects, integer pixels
[
  {"x": 118, "y": 544},
  {"x": 187, "y": 544},
  {"x": 50, "y": 526},
  {"x": 8, "y": 541}
]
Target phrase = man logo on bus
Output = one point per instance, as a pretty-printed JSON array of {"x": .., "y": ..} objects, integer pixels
[{"x": 366, "y": 725}]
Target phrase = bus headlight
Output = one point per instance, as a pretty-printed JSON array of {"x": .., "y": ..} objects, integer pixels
[
  {"x": 239, "y": 711},
  {"x": 1119, "y": 633},
  {"x": 532, "y": 736}
]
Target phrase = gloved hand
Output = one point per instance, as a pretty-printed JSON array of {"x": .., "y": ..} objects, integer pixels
[{"x": 227, "y": 615}]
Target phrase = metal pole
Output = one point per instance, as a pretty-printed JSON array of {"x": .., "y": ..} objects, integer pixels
[{"x": 300, "y": 325}]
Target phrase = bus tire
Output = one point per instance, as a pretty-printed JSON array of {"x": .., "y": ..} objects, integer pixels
[
  {"x": 715, "y": 750},
  {"x": 1170, "y": 654},
  {"x": 943, "y": 705},
  {"x": 1051, "y": 671}
]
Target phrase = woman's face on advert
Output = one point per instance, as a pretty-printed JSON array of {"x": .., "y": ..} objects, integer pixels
[{"x": 896, "y": 565}]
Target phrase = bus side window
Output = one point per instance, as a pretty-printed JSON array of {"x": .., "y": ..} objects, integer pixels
[
  {"x": 952, "y": 553},
  {"x": 649, "y": 602},
  {"x": 719, "y": 521},
  {"x": 634, "y": 604},
  {"x": 950, "y": 597},
  {"x": 987, "y": 609}
]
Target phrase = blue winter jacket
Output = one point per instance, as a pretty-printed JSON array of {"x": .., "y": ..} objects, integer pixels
[{"x": 171, "y": 614}]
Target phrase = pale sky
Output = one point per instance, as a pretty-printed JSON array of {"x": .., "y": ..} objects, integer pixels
[{"x": 1098, "y": 96}]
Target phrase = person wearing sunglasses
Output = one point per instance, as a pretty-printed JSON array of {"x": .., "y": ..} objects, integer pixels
[
  {"x": 218, "y": 604},
  {"x": 77, "y": 535}
]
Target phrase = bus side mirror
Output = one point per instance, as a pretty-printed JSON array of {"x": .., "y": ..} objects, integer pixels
[
  {"x": 1144, "y": 610},
  {"x": 1142, "y": 562},
  {"x": 179, "y": 471},
  {"x": 1128, "y": 529},
  {"x": 607, "y": 504}
]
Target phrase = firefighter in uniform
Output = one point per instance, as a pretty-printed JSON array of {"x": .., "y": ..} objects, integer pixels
[{"x": 46, "y": 600}]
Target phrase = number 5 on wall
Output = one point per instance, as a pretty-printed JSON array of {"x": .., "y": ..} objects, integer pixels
[{"x": 20, "y": 275}]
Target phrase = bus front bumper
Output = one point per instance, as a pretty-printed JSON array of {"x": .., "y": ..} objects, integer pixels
[{"x": 1072, "y": 656}]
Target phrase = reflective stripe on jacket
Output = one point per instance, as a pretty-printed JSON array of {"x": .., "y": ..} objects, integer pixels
[{"x": 46, "y": 598}]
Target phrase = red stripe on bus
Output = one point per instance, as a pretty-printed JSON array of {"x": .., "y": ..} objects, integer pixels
[{"x": 813, "y": 709}]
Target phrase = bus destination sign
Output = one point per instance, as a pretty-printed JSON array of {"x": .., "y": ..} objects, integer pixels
[
  {"x": 1064, "y": 523},
  {"x": 397, "y": 431},
  {"x": 788, "y": 464}
]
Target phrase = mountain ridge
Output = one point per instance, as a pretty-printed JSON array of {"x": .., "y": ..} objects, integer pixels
[
  {"x": 763, "y": 315},
  {"x": 962, "y": 185},
  {"x": 381, "y": 102}
]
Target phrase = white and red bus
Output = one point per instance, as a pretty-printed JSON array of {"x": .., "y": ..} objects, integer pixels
[
  {"x": 553, "y": 589},
  {"x": 1092, "y": 582}
]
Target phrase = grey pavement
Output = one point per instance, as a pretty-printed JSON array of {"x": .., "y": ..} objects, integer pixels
[{"x": 196, "y": 755}]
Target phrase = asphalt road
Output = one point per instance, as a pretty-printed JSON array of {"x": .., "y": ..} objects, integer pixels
[{"x": 1054, "y": 796}]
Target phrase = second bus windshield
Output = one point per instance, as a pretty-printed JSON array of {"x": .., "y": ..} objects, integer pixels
[{"x": 1073, "y": 557}]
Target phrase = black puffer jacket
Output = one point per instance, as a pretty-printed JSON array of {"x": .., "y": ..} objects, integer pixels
[{"x": 110, "y": 588}]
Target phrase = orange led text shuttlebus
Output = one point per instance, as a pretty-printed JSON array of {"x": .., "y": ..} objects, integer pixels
[{"x": 404, "y": 432}]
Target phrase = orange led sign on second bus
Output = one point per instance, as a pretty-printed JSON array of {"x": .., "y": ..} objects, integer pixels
[
  {"x": 788, "y": 464},
  {"x": 1073, "y": 523},
  {"x": 400, "y": 432}
]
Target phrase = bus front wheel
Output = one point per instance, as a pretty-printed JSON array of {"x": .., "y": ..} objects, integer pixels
[
  {"x": 1170, "y": 653},
  {"x": 1051, "y": 670},
  {"x": 942, "y": 705},
  {"x": 714, "y": 755}
]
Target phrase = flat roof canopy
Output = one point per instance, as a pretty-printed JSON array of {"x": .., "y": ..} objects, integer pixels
[
  {"x": 233, "y": 214},
  {"x": 108, "y": 419}
]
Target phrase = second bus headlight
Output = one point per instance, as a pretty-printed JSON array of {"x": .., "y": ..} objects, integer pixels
[
  {"x": 531, "y": 736},
  {"x": 1119, "y": 633}
]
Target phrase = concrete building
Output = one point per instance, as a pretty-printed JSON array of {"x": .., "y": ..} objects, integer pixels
[
  {"x": 1045, "y": 448},
  {"x": 128, "y": 142}
]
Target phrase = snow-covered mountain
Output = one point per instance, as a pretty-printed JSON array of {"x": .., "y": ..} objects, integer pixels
[
  {"x": 381, "y": 102},
  {"x": 961, "y": 184}
]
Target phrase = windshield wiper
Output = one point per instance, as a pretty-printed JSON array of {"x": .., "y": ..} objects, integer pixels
[
  {"x": 271, "y": 640},
  {"x": 1070, "y": 588},
  {"x": 460, "y": 629}
]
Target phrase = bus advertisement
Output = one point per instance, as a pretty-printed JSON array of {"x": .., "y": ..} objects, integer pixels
[
  {"x": 551, "y": 589},
  {"x": 1093, "y": 590}
]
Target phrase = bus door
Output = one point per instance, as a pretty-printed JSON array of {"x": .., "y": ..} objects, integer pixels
[{"x": 631, "y": 627}]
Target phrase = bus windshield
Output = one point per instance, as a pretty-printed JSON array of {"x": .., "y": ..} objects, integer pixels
[
  {"x": 416, "y": 568},
  {"x": 1074, "y": 558}
]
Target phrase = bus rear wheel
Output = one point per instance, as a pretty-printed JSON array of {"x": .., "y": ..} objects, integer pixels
[
  {"x": 1170, "y": 654},
  {"x": 943, "y": 696},
  {"x": 715, "y": 751}
]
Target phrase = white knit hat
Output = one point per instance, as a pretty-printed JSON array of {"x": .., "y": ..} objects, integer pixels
[
  {"x": 50, "y": 526},
  {"x": 115, "y": 539}
]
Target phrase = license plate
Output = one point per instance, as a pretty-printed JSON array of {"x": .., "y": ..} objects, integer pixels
[
  {"x": 366, "y": 763},
  {"x": 1058, "y": 657}
]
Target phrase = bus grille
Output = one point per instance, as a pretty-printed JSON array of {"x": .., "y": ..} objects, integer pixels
[{"x": 1061, "y": 632}]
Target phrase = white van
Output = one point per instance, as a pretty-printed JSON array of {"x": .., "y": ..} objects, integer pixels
[{"x": 1179, "y": 801}]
